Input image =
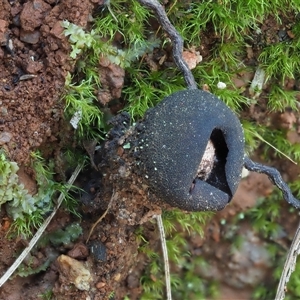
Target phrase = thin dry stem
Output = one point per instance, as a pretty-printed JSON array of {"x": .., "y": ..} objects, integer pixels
[
  {"x": 104, "y": 214},
  {"x": 289, "y": 266},
  {"x": 165, "y": 255}
]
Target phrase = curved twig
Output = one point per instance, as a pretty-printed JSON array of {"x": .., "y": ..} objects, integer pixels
[
  {"x": 290, "y": 262},
  {"x": 275, "y": 178},
  {"x": 176, "y": 39},
  {"x": 102, "y": 216}
]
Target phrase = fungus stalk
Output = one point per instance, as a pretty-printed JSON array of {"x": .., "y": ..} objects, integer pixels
[{"x": 176, "y": 39}]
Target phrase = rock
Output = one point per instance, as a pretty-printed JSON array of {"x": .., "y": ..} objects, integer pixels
[
  {"x": 117, "y": 277},
  {"x": 29, "y": 184},
  {"x": 192, "y": 58},
  {"x": 75, "y": 272},
  {"x": 29, "y": 36},
  {"x": 98, "y": 250},
  {"x": 57, "y": 30},
  {"x": 3, "y": 29},
  {"x": 112, "y": 80},
  {"x": 33, "y": 14},
  {"x": 249, "y": 264},
  {"x": 5, "y": 137},
  {"x": 241, "y": 268},
  {"x": 79, "y": 251},
  {"x": 133, "y": 281},
  {"x": 100, "y": 285},
  {"x": 33, "y": 67}
]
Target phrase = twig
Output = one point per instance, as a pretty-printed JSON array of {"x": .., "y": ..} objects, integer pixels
[
  {"x": 104, "y": 214},
  {"x": 276, "y": 179},
  {"x": 294, "y": 251},
  {"x": 165, "y": 255},
  {"x": 38, "y": 234},
  {"x": 176, "y": 39},
  {"x": 289, "y": 265}
]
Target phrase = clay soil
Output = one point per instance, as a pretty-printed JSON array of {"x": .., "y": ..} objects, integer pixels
[{"x": 34, "y": 61}]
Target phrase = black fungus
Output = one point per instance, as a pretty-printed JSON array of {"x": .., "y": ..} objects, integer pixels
[{"x": 175, "y": 136}]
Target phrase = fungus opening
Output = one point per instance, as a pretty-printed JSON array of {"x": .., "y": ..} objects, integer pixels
[{"x": 212, "y": 166}]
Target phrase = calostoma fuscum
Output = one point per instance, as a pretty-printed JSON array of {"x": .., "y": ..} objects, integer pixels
[{"x": 192, "y": 148}]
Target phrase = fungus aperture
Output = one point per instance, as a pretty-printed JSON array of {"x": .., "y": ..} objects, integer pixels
[{"x": 192, "y": 151}]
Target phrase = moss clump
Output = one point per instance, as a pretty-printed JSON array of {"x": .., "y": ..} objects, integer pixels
[
  {"x": 62, "y": 236},
  {"x": 12, "y": 192},
  {"x": 26, "y": 210}
]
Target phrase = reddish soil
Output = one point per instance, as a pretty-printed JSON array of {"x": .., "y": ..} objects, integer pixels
[{"x": 34, "y": 61}]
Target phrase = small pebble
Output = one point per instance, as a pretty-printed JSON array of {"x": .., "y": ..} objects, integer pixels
[
  {"x": 100, "y": 285},
  {"x": 74, "y": 272},
  {"x": 221, "y": 85},
  {"x": 79, "y": 251},
  {"x": 98, "y": 251},
  {"x": 30, "y": 37},
  {"x": 117, "y": 277},
  {"x": 5, "y": 138}
]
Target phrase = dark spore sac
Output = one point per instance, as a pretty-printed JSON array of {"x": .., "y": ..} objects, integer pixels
[{"x": 192, "y": 151}]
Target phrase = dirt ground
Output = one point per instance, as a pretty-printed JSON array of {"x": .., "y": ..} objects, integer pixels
[{"x": 34, "y": 61}]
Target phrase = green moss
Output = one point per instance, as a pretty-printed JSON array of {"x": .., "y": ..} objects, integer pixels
[
  {"x": 281, "y": 60},
  {"x": 25, "y": 271},
  {"x": 80, "y": 107},
  {"x": 26, "y": 210},
  {"x": 227, "y": 19},
  {"x": 47, "y": 295},
  {"x": 10, "y": 188},
  {"x": 19, "y": 203},
  {"x": 57, "y": 238},
  {"x": 189, "y": 286},
  {"x": 62, "y": 236},
  {"x": 266, "y": 219},
  {"x": 280, "y": 99},
  {"x": 293, "y": 287}
]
